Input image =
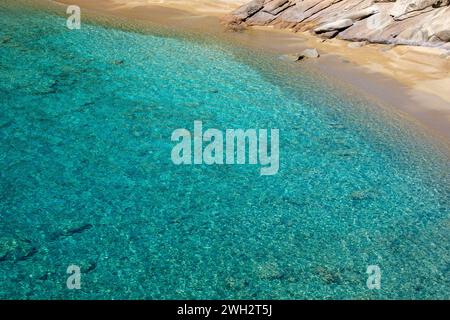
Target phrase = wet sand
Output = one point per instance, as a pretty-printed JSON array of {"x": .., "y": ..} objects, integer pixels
[{"x": 414, "y": 81}]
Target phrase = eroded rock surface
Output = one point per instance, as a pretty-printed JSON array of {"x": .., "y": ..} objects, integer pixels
[{"x": 413, "y": 22}]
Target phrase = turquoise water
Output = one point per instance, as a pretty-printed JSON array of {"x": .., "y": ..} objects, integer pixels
[{"x": 87, "y": 179}]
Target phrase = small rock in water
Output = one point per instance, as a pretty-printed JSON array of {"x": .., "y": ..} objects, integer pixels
[
  {"x": 310, "y": 53},
  {"x": 15, "y": 249},
  {"x": 307, "y": 53}
]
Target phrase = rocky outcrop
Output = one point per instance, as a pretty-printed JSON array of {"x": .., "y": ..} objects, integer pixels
[
  {"x": 413, "y": 22},
  {"x": 403, "y": 7},
  {"x": 249, "y": 9},
  {"x": 334, "y": 26}
]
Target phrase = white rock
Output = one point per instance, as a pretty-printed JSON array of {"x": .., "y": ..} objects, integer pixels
[
  {"x": 310, "y": 53},
  {"x": 402, "y": 7},
  {"x": 335, "y": 25}
]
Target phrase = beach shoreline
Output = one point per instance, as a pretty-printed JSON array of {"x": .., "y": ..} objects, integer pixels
[
  {"x": 411, "y": 80},
  {"x": 165, "y": 157}
]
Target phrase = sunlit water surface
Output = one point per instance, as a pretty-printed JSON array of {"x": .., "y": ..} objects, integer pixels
[{"x": 86, "y": 176}]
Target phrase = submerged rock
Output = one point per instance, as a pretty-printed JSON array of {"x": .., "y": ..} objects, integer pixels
[
  {"x": 269, "y": 271},
  {"x": 328, "y": 276},
  {"x": 6, "y": 124},
  {"x": 90, "y": 266},
  {"x": 16, "y": 249},
  {"x": 70, "y": 231},
  {"x": 5, "y": 40},
  {"x": 310, "y": 53}
]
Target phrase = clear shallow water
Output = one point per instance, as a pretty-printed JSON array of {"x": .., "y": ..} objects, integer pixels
[{"x": 87, "y": 179}]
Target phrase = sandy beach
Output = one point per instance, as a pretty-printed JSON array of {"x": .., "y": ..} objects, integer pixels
[
  {"x": 412, "y": 80},
  {"x": 216, "y": 7}
]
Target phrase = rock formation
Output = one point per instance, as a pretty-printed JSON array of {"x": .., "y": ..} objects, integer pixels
[{"x": 413, "y": 22}]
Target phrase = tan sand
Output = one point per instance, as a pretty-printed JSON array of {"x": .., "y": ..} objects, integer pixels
[
  {"x": 413, "y": 80},
  {"x": 209, "y": 7}
]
